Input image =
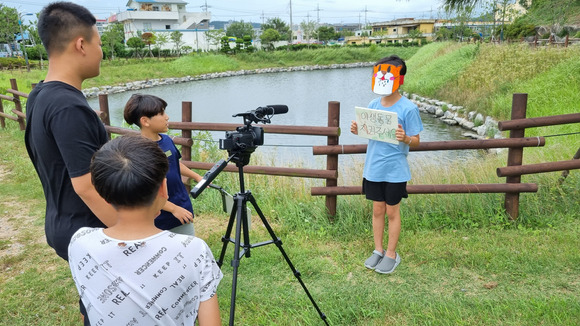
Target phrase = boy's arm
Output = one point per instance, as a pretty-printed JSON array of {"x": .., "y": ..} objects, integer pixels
[
  {"x": 187, "y": 172},
  {"x": 83, "y": 186},
  {"x": 182, "y": 214},
  {"x": 411, "y": 141},
  {"x": 209, "y": 312}
]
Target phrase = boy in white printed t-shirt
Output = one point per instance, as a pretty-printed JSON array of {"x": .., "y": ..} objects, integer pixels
[{"x": 133, "y": 272}]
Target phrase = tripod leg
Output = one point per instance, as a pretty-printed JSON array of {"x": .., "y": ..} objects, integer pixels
[
  {"x": 240, "y": 200},
  {"x": 244, "y": 214},
  {"x": 278, "y": 243},
  {"x": 226, "y": 238}
]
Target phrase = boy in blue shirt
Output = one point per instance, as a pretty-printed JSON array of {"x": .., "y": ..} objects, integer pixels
[
  {"x": 386, "y": 170},
  {"x": 148, "y": 113}
]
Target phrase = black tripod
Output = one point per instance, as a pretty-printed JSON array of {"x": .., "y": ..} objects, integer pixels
[{"x": 241, "y": 216}]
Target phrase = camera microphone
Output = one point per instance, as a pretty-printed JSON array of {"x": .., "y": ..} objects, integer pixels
[{"x": 271, "y": 110}]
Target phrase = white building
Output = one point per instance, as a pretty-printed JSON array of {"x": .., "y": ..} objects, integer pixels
[{"x": 159, "y": 16}]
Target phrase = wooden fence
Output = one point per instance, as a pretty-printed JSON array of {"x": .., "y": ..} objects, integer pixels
[
  {"x": 513, "y": 171},
  {"x": 551, "y": 41}
]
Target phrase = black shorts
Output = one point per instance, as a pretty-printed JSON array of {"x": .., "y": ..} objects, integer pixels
[{"x": 388, "y": 192}]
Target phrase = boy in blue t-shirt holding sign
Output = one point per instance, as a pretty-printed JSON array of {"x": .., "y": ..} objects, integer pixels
[{"x": 386, "y": 169}]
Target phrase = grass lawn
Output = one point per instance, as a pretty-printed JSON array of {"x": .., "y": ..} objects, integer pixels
[{"x": 471, "y": 276}]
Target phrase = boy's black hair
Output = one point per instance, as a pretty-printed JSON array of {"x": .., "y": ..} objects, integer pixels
[
  {"x": 128, "y": 171},
  {"x": 141, "y": 105},
  {"x": 396, "y": 61},
  {"x": 60, "y": 22}
]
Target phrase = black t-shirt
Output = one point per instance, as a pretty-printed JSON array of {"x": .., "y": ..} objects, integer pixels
[{"x": 62, "y": 134}]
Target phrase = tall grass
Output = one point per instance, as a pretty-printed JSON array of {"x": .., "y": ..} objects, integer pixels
[
  {"x": 552, "y": 92},
  {"x": 436, "y": 65},
  {"x": 499, "y": 71}
]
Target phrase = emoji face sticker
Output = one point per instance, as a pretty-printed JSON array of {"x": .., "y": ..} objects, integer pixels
[{"x": 386, "y": 79}]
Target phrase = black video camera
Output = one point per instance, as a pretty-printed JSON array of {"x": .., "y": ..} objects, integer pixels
[
  {"x": 244, "y": 139},
  {"x": 242, "y": 142}
]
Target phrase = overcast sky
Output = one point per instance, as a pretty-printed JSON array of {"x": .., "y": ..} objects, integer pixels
[{"x": 326, "y": 11}]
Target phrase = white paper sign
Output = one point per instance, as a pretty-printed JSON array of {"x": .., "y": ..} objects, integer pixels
[{"x": 377, "y": 124}]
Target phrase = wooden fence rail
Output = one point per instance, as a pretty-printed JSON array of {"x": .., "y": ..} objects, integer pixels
[{"x": 513, "y": 171}]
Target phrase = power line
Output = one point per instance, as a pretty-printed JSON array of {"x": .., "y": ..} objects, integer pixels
[{"x": 559, "y": 135}]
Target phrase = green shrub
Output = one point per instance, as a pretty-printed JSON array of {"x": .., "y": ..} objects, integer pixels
[
  {"x": 518, "y": 29},
  {"x": 12, "y": 61},
  {"x": 564, "y": 32}
]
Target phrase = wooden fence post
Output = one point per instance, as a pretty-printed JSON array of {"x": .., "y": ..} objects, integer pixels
[
  {"x": 332, "y": 160},
  {"x": 186, "y": 116},
  {"x": 2, "y": 119},
  {"x": 515, "y": 154},
  {"x": 17, "y": 104}
]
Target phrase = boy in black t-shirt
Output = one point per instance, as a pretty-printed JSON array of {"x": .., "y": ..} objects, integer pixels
[{"x": 62, "y": 131}]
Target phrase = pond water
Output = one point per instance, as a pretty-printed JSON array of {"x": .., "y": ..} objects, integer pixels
[{"x": 306, "y": 93}]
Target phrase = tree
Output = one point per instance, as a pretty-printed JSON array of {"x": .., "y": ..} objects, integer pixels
[
  {"x": 443, "y": 34},
  {"x": 279, "y": 25},
  {"x": 213, "y": 36},
  {"x": 415, "y": 34},
  {"x": 176, "y": 38},
  {"x": 137, "y": 44},
  {"x": 308, "y": 29},
  {"x": 240, "y": 29},
  {"x": 113, "y": 35},
  {"x": 326, "y": 33},
  {"x": 161, "y": 40},
  {"x": 225, "y": 42},
  {"x": 455, "y": 4},
  {"x": 461, "y": 16},
  {"x": 8, "y": 24},
  {"x": 187, "y": 49},
  {"x": 270, "y": 36},
  {"x": 248, "y": 43},
  {"x": 148, "y": 38}
]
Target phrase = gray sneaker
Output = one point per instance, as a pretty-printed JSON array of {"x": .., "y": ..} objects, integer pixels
[
  {"x": 374, "y": 259},
  {"x": 387, "y": 265}
]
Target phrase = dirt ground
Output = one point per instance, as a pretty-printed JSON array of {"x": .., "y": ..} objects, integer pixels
[{"x": 14, "y": 219}]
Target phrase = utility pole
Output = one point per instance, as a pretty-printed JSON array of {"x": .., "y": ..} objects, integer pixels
[
  {"x": 308, "y": 24},
  {"x": 318, "y": 14},
  {"x": 366, "y": 21},
  {"x": 205, "y": 6},
  {"x": 22, "y": 47},
  {"x": 291, "y": 27}
]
